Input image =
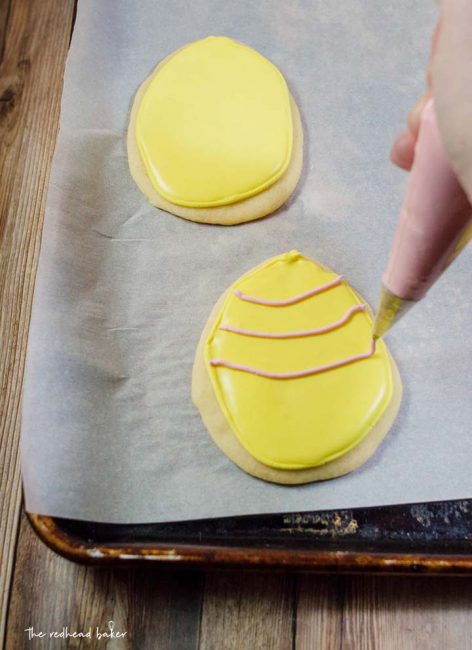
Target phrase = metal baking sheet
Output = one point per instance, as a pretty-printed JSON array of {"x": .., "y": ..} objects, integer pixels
[
  {"x": 123, "y": 290},
  {"x": 431, "y": 538}
]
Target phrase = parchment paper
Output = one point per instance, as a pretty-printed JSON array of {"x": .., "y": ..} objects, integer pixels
[{"x": 123, "y": 290}]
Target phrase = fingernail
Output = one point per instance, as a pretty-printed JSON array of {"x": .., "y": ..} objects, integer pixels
[{"x": 415, "y": 113}]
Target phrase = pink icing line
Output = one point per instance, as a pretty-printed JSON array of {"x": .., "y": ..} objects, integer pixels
[
  {"x": 290, "y": 301},
  {"x": 297, "y": 334},
  {"x": 297, "y": 374}
]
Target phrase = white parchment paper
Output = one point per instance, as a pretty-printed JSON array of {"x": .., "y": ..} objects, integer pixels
[{"x": 123, "y": 290}]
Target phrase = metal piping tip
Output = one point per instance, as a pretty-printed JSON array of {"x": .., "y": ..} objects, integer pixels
[{"x": 391, "y": 309}]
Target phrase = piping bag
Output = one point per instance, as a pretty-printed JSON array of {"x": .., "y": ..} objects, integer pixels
[{"x": 434, "y": 226}]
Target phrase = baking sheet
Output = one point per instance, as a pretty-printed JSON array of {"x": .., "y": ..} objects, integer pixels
[{"x": 123, "y": 290}]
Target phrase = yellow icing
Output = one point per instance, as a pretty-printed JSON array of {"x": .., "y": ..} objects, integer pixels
[
  {"x": 297, "y": 423},
  {"x": 215, "y": 124}
]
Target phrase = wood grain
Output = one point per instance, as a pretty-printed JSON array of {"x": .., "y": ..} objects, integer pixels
[
  {"x": 4, "y": 12},
  {"x": 391, "y": 613},
  {"x": 157, "y": 610},
  {"x": 34, "y": 39},
  {"x": 247, "y": 611},
  {"x": 320, "y": 604}
]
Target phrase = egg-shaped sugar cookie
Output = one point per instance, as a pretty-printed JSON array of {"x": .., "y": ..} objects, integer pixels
[
  {"x": 215, "y": 135},
  {"x": 288, "y": 378}
]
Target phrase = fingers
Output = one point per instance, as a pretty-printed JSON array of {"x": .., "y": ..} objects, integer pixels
[
  {"x": 403, "y": 149},
  {"x": 415, "y": 114}
]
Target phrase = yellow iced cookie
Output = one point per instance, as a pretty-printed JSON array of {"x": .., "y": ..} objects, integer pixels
[
  {"x": 287, "y": 376},
  {"x": 214, "y": 134}
]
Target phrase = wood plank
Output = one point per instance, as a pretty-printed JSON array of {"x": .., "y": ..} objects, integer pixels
[
  {"x": 4, "y": 14},
  {"x": 391, "y": 613},
  {"x": 247, "y": 610},
  {"x": 319, "y": 612},
  {"x": 158, "y": 610},
  {"x": 408, "y": 613},
  {"x": 34, "y": 41}
]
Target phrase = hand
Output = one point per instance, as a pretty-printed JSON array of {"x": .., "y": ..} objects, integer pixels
[{"x": 449, "y": 80}]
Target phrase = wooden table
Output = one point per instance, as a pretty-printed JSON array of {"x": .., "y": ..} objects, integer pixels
[{"x": 157, "y": 610}]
